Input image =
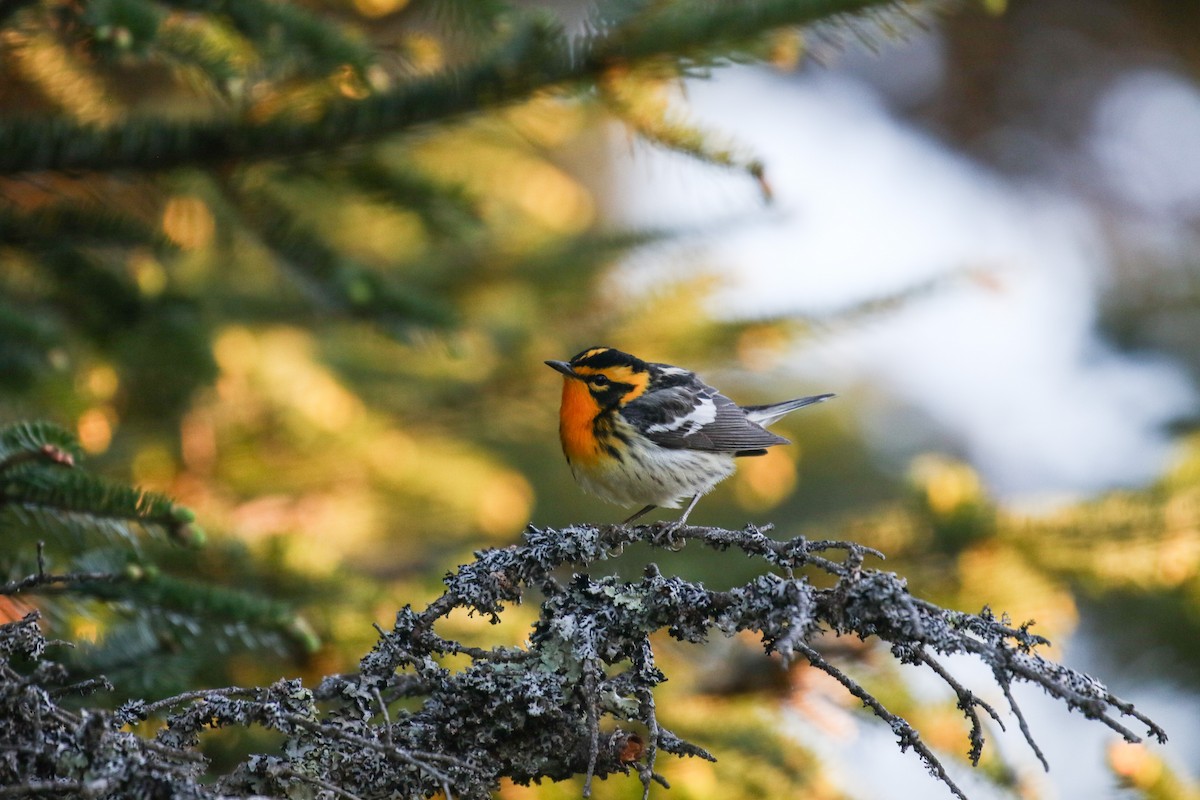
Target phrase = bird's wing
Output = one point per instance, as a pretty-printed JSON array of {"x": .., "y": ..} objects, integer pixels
[{"x": 695, "y": 416}]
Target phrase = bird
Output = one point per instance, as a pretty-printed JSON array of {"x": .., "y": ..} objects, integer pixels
[{"x": 638, "y": 433}]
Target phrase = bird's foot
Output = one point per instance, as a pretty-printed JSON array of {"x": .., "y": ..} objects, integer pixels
[{"x": 668, "y": 535}]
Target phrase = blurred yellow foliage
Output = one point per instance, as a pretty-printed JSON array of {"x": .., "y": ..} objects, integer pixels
[
  {"x": 947, "y": 484},
  {"x": 188, "y": 222},
  {"x": 375, "y": 232},
  {"x": 504, "y": 502},
  {"x": 280, "y": 365},
  {"x": 95, "y": 428},
  {"x": 341, "y": 480},
  {"x": 198, "y": 441},
  {"x": 512, "y": 630},
  {"x": 379, "y": 8},
  {"x": 148, "y": 273},
  {"x": 85, "y": 629},
  {"x": 1122, "y": 540},
  {"x": 1138, "y": 768},
  {"x": 1000, "y": 577},
  {"x": 787, "y": 48},
  {"x": 521, "y": 192},
  {"x": 42, "y": 59},
  {"x": 101, "y": 382},
  {"x": 153, "y": 467},
  {"x": 763, "y": 482},
  {"x": 547, "y": 120}
]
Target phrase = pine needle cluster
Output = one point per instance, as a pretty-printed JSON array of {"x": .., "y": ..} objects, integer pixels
[{"x": 82, "y": 550}]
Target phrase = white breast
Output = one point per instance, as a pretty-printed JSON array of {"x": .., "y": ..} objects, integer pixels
[{"x": 647, "y": 474}]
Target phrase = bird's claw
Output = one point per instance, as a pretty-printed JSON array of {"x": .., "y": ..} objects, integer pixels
[{"x": 667, "y": 535}]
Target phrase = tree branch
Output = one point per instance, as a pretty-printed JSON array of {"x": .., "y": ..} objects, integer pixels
[
  {"x": 537, "y": 56},
  {"x": 907, "y": 735},
  {"x": 539, "y": 712},
  {"x": 42, "y": 578}
]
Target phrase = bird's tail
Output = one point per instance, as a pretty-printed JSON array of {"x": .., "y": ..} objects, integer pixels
[{"x": 765, "y": 415}]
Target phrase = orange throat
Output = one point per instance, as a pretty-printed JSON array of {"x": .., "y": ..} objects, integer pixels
[{"x": 575, "y": 423}]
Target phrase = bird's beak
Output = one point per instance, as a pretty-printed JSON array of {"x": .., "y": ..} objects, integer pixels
[{"x": 562, "y": 367}]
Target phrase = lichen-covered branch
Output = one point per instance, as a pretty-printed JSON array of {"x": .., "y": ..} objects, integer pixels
[{"x": 578, "y": 700}]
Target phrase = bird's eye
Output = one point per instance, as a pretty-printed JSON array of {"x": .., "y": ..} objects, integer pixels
[{"x": 600, "y": 380}]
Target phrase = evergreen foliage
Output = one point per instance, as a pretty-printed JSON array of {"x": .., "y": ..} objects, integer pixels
[
  {"x": 91, "y": 206},
  {"x": 184, "y": 184},
  {"x": 531, "y": 53},
  {"x": 80, "y": 546}
]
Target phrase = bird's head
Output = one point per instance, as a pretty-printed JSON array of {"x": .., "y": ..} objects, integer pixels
[{"x": 608, "y": 377}]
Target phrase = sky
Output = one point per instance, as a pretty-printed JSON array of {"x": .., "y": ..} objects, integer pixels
[{"x": 1000, "y": 360}]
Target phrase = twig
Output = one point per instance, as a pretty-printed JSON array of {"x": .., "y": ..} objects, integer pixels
[
  {"x": 33, "y": 788},
  {"x": 391, "y": 753},
  {"x": 173, "y": 752},
  {"x": 199, "y": 694},
  {"x": 88, "y": 686},
  {"x": 509, "y": 654},
  {"x": 650, "y": 716},
  {"x": 752, "y": 541},
  {"x": 42, "y": 578},
  {"x": 70, "y": 578},
  {"x": 1056, "y": 680},
  {"x": 900, "y": 726},
  {"x": 967, "y": 701},
  {"x": 593, "y": 724},
  {"x": 283, "y": 771},
  {"x": 387, "y": 717},
  {"x": 1006, "y": 687},
  {"x": 1128, "y": 709}
]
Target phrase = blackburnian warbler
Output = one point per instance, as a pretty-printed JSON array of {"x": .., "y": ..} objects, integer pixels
[{"x": 638, "y": 433}]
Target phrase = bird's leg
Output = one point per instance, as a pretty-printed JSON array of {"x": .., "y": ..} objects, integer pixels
[
  {"x": 640, "y": 514},
  {"x": 683, "y": 517}
]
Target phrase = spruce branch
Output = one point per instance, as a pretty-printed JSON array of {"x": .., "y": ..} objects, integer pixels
[
  {"x": 26, "y": 342},
  {"x": 23, "y": 442},
  {"x": 41, "y": 578},
  {"x": 62, "y": 491},
  {"x": 536, "y": 56},
  {"x": 103, "y": 538},
  {"x": 36, "y": 480},
  {"x": 291, "y": 30},
  {"x": 48, "y": 453},
  {"x": 446, "y": 209},
  {"x": 82, "y": 223},
  {"x": 649, "y": 113},
  {"x": 330, "y": 278},
  {"x": 100, "y": 301}
]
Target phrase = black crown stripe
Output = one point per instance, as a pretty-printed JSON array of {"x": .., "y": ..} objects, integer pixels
[{"x": 602, "y": 357}]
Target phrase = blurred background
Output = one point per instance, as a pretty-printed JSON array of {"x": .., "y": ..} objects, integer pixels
[{"x": 975, "y": 223}]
